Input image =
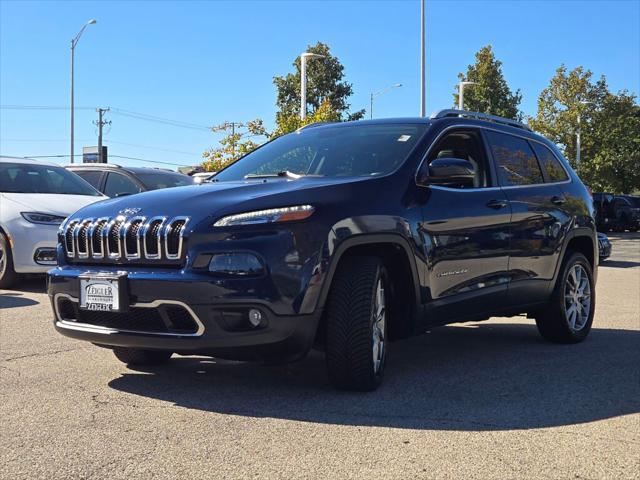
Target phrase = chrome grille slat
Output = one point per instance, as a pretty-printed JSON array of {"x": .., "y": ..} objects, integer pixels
[
  {"x": 170, "y": 231},
  {"x": 121, "y": 239}
]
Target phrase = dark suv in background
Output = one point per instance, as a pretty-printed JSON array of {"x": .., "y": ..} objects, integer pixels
[
  {"x": 340, "y": 236},
  {"x": 617, "y": 212},
  {"x": 115, "y": 181}
]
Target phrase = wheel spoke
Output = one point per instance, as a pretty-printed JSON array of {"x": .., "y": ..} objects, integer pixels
[{"x": 577, "y": 298}]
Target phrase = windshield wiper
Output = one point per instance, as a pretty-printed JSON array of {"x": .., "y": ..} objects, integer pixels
[{"x": 284, "y": 173}]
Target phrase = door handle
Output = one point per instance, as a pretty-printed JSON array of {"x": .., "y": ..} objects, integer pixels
[
  {"x": 497, "y": 204},
  {"x": 557, "y": 200}
]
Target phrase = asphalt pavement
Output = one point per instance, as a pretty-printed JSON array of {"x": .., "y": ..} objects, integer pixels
[{"x": 480, "y": 400}]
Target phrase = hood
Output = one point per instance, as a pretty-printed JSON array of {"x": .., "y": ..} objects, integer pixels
[
  {"x": 55, "y": 204},
  {"x": 211, "y": 199}
]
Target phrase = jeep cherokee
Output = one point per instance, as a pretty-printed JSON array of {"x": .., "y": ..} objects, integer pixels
[{"x": 342, "y": 237}]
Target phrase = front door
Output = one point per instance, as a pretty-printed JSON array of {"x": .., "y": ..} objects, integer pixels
[{"x": 466, "y": 235}]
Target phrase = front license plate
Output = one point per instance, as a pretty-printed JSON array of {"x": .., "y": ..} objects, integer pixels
[{"x": 100, "y": 293}]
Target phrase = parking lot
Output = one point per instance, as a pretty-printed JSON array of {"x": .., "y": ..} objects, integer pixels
[{"x": 488, "y": 400}]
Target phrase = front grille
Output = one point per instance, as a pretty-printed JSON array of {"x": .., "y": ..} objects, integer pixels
[
  {"x": 157, "y": 240},
  {"x": 164, "y": 319}
]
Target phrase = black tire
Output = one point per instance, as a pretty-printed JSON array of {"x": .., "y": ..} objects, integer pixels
[
  {"x": 350, "y": 341},
  {"x": 140, "y": 357},
  {"x": 554, "y": 322},
  {"x": 8, "y": 276}
]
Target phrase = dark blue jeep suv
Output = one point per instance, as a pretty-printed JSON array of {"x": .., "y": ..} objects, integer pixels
[{"x": 342, "y": 237}]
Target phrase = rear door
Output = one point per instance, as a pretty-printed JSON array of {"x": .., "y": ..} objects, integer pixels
[
  {"x": 539, "y": 222},
  {"x": 466, "y": 234}
]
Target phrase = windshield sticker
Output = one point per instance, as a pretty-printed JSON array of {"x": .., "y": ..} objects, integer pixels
[{"x": 404, "y": 138}]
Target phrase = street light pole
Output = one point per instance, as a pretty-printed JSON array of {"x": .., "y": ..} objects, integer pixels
[
  {"x": 303, "y": 82},
  {"x": 74, "y": 42},
  {"x": 461, "y": 86},
  {"x": 579, "y": 133},
  {"x": 423, "y": 99},
  {"x": 377, "y": 94}
]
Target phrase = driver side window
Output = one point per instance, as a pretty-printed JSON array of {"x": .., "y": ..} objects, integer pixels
[{"x": 465, "y": 145}]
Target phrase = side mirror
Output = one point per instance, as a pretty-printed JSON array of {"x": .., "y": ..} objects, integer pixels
[{"x": 449, "y": 172}]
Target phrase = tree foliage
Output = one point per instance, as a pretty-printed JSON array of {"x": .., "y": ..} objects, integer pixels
[
  {"x": 609, "y": 125},
  {"x": 238, "y": 141},
  {"x": 327, "y": 92},
  {"x": 492, "y": 93}
]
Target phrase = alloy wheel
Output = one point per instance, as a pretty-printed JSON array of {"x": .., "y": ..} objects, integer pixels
[
  {"x": 577, "y": 298},
  {"x": 379, "y": 323}
]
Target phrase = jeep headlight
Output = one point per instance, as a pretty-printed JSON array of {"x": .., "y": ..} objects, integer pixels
[{"x": 272, "y": 215}]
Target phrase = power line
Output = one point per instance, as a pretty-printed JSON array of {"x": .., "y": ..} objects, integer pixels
[
  {"x": 111, "y": 156},
  {"x": 109, "y": 141},
  {"x": 40, "y": 107},
  {"x": 118, "y": 111}
]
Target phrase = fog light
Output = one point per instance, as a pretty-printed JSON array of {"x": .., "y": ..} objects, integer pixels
[
  {"x": 255, "y": 317},
  {"x": 240, "y": 264},
  {"x": 45, "y": 256}
]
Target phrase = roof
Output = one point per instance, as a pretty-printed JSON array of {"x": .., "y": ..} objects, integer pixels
[
  {"x": 28, "y": 161},
  {"x": 113, "y": 166}
]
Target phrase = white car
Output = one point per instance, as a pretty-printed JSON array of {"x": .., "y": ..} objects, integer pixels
[{"x": 35, "y": 198}]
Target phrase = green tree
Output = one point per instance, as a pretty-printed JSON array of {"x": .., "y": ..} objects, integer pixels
[
  {"x": 327, "y": 91},
  {"x": 609, "y": 126},
  {"x": 615, "y": 165},
  {"x": 571, "y": 98},
  {"x": 491, "y": 94},
  {"x": 238, "y": 141}
]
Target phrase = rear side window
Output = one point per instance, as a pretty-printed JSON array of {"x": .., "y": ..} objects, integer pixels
[
  {"x": 92, "y": 177},
  {"x": 550, "y": 163},
  {"x": 515, "y": 161},
  {"x": 118, "y": 185}
]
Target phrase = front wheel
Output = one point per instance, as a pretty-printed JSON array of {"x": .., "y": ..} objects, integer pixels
[
  {"x": 140, "y": 357},
  {"x": 356, "y": 343},
  {"x": 8, "y": 275},
  {"x": 569, "y": 315}
]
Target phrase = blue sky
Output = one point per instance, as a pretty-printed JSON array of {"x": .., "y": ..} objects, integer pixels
[{"x": 207, "y": 62}]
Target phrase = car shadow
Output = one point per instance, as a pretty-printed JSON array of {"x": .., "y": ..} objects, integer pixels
[
  {"x": 477, "y": 377},
  {"x": 14, "y": 300},
  {"x": 619, "y": 264},
  {"x": 30, "y": 284}
]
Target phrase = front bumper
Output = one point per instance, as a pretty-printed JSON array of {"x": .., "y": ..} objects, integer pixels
[
  {"x": 206, "y": 306},
  {"x": 26, "y": 239}
]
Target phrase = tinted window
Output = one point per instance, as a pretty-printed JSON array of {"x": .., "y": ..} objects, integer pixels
[
  {"x": 335, "y": 151},
  {"x": 466, "y": 145},
  {"x": 160, "y": 179},
  {"x": 550, "y": 163},
  {"x": 90, "y": 176},
  {"x": 30, "y": 178},
  {"x": 634, "y": 201},
  {"x": 515, "y": 161},
  {"x": 117, "y": 184}
]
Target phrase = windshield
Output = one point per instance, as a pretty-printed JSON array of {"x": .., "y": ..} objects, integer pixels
[
  {"x": 32, "y": 178},
  {"x": 156, "y": 180},
  {"x": 342, "y": 151}
]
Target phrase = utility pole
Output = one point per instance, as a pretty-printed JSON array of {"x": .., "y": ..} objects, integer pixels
[
  {"x": 224, "y": 127},
  {"x": 101, "y": 123}
]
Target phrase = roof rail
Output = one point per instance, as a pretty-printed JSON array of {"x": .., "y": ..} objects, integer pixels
[
  {"x": 312, "y": 125},
  {"x": 480, "y": 116},
  {"x": 102, "y": 165}
]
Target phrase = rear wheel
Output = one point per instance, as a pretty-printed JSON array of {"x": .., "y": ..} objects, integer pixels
[
  {"x": 8, "y": 275},
  {"x": 138, "y": 356},
  {"x": 569, "y": 315},
  {"x": 356, "y": 343}
]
